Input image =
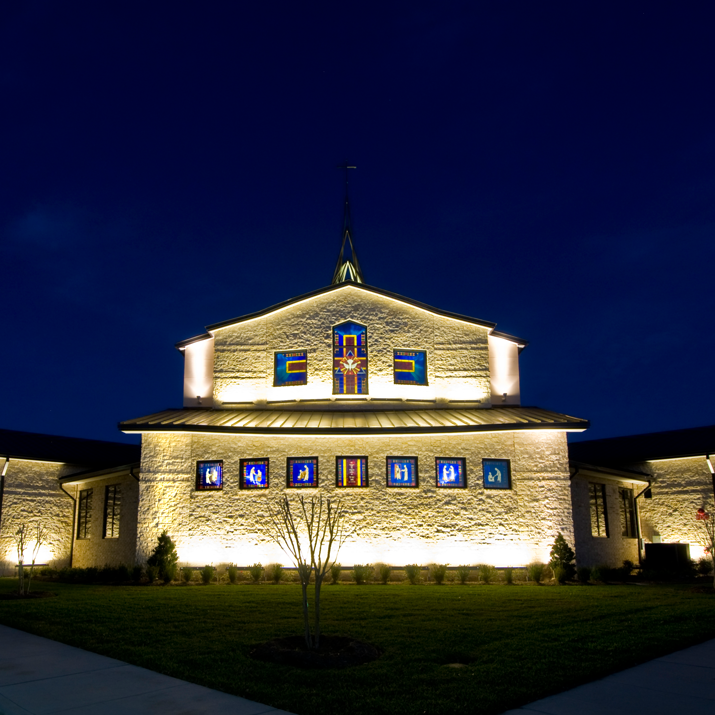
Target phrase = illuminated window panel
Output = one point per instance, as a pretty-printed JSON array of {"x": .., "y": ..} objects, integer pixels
[
  {"x": 351, "y": 471},
  {"x": 402, "y": 472},
  {"x": 497, "y": 473},
  {"x": 209, "y": 475},
  {"x": 254, "y": 474},
  {"x": 291, "y": 369},
  {"x": 451, "y": 472},
  {"x": 350, "y": 359},
  {"x": 410, "y": 367},
  {"x": 302, "y": 472}
]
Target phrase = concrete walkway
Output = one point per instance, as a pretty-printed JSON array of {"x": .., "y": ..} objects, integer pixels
[
  {"x": 38, "y": 676},
  {"x": 682, "y": 682}
]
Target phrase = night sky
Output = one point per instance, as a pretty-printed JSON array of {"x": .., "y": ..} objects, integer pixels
[{"x": 548, "y": 166}]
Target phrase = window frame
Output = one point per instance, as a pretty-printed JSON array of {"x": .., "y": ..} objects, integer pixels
[
  {"x": 593, "y": 494},
  {"x": 84, "y": 515},
  {"x": 116, "y": 511},
  {"x": 627, "y": 508}
]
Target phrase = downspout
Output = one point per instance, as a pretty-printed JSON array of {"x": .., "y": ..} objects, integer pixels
[
  {"x": 2, "y": 486},
  {"x": 74, "y": 521},
  {"x": 131, "y": 471},
  {"x": 641, "y": 546}
]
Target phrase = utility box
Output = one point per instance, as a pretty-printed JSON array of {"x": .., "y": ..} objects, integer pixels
[{"x": 667, "y": 557}]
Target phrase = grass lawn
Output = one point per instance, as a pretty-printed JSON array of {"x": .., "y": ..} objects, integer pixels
[{"x": 520, "y": 643}]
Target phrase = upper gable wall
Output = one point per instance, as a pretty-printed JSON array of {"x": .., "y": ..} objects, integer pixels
[{"x": 457, "y": 352}]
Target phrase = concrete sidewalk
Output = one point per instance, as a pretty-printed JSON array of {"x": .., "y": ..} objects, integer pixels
[
  {"x": 682, "y": 682},
  {"x": 38, "y": 675}
]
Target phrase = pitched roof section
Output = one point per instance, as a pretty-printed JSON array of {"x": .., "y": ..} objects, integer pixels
[
  {"x": 358, "y": 286},
  {"x": 349, "y": 422},
  {"x": 69, "y": 450}
]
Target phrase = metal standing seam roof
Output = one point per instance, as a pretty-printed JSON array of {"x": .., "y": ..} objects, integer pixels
[{"x": 397, "y": 421}]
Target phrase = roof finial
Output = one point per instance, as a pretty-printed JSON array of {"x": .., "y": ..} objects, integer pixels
[{"x": 347, "y": 268}]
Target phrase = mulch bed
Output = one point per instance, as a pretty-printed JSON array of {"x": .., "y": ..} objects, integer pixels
[
  {"x": 334, "y": 652},
  {"x": 32, "y": 594}
]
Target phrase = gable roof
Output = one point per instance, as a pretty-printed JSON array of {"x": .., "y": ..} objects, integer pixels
[
  {"x": 92, "y": 453},
  {"x": 693, "y": 442},
  {"x": 359, "y": 286}
]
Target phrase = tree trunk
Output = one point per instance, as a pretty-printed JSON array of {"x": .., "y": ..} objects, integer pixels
[
  {"x": 318, "y": 584},
  {"x": 306, "y": 620},
  {"x": 21, "y": 576}
]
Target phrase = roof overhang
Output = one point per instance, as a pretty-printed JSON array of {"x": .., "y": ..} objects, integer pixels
[
  {"x": 98, "y": 474},
  {"x": 608, "y": 474}
]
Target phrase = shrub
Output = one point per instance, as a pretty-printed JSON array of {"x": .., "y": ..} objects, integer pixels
[
  {"x": 583, "y": 574},
  {"x": 361, "y": 574},
  {"x": 413, "y": 573},
  {"x": 509, "y": 576},
  {"x": 232, "y": 574},
  {"x": 602, "y": 573},
  {"x": 187, "y": 574},
  {"x": 562, "y": 560},
  {"x": 255, "y": 571},
  {"x": 438, "y": 572},
  {"x": 164, "y": 558},
  {"x": 383, "y": 572},
  {"x": 207, "y": 573},
  {"x": 704, "y": 566},
  {"x": 487, "y": 573},
  {"x": 535, "y": 571},
  {"x": 335, "y": 570},
  {"x": 137, "y": 573},
  {"x": 463, "y": 574},
  {"x": 274, "y": 572},
  {"x": 152, "y": 572}
]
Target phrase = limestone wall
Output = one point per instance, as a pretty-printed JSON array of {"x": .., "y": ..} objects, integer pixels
[
  {"x": 457, "y": 352},
  {"x": 97, "y": 550},
  {"x": 31, "y": 494},
  {"x": 399, "y": 526}
]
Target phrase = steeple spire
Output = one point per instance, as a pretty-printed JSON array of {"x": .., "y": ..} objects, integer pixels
[{"x": 348, "y": 267}]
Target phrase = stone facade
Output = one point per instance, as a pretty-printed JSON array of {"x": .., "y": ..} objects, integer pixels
[
  {"x": 32, "y": 493},
  {"x": 399, "y": 526}
]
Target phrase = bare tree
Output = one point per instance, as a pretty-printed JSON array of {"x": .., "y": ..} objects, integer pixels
[
  {"x": 23, "y": 537},
  {"x": 312, "y": 537},
  {"x": 706, "y": 525}
]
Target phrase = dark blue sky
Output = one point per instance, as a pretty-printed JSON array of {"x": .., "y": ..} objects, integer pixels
[{"x": 167, "y": 165}]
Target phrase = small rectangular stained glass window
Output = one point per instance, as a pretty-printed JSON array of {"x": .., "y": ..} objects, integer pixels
[
  {"x": 84, "y": 514},
  {"x": 290, "y": 369},
  {"x": 628, "y": 513},
  {"x": 410, "y": 367},
  {"x": 451, "y": 472},
  {"x": 302, "y": 472},
  {"x": 402, "y": 471},
  {"x": 351, "y": 471},
  {"x": 254, "y": 474},
  {"x": 497, "y": 473},
  {"x": 597, "y": 503},
  {"x": 209, "y": 475},
  {"x": 112, "y": 505}
]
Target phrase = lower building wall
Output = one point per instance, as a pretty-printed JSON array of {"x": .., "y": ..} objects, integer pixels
[
  {"x": 611, "y": 550},
  {"x": 399, "y": 526},
  {"x": 98, "y": 550},
  {"x": 32, "y": 495},
  {"x": 679, "y": 488}
]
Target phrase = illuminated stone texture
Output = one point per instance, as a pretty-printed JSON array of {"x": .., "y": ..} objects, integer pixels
[
  {"x": 472, "y": 525},
  {"x": 33, "y": 493}
]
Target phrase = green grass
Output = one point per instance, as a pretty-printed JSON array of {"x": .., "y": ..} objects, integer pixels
[{"x": 520, "y": 643}]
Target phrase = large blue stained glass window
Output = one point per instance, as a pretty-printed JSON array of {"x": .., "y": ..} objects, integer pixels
[
  {"x": 351, "y": 471},
  {"x": 302, "y": 472},
  {"x": 451, "y": 472},
  {"x": 254, "y": 474},
  {"x": 402, "y": 471},
  {"x": 350, "y": 359},
  {"x": 209, "y": 475},
  {"x": 410, "y": 367},
  {"x": 497, "y": 473},
  {"x": 291, "y": 369}
]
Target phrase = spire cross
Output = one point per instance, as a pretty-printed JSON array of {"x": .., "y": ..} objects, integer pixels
[
  {"x": 346, "y": 166},
  {"x": 347, "y": 269}
]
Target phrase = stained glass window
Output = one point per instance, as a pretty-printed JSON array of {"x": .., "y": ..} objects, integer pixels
[
  {"x": 209, "y": 475},
  {"x": 402, "y": 471},
  {"x": 291, "y": 369},
  {"x": 350, "y": 359},
  {"x": 351, "y": 471},
  {"x": 302, "y": 472},
  {"x": 497, "y": 473},
  {"x": 451, "y": 472},
  {"x": 410, "y": 367},
  {"x": 254, "y": 474}
]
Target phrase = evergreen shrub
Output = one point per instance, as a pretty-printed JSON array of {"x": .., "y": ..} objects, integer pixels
[
  {"x": 412, "y": 571},
  {"x": 562, "y": 560},
  {"x": 137, "y": 573},
  {"x": 509, "y": 576},
  {"x": 207, "y": 573},
  {"x": 164, "y": 558},
  {"x": 438, "y": 572},
  {"x": 383, "y": 572},
  {"x": 704, "y": 566},
  {"x": 232, "y": 574},
  {"x": 463, "y": 574},
  {"x": 361, "y": 574},
  {"x": 255, "y": 571},
  {"x": 583, "y": 574},
  {"x": 535, "y": 571},
  {"x": 187, "y": 573},
  {"x": 487, "y": 573},
  {"x": 335, "y": 570},
  {"x": 152, "y": 573},
  {"x": 274, "y": 572}
]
